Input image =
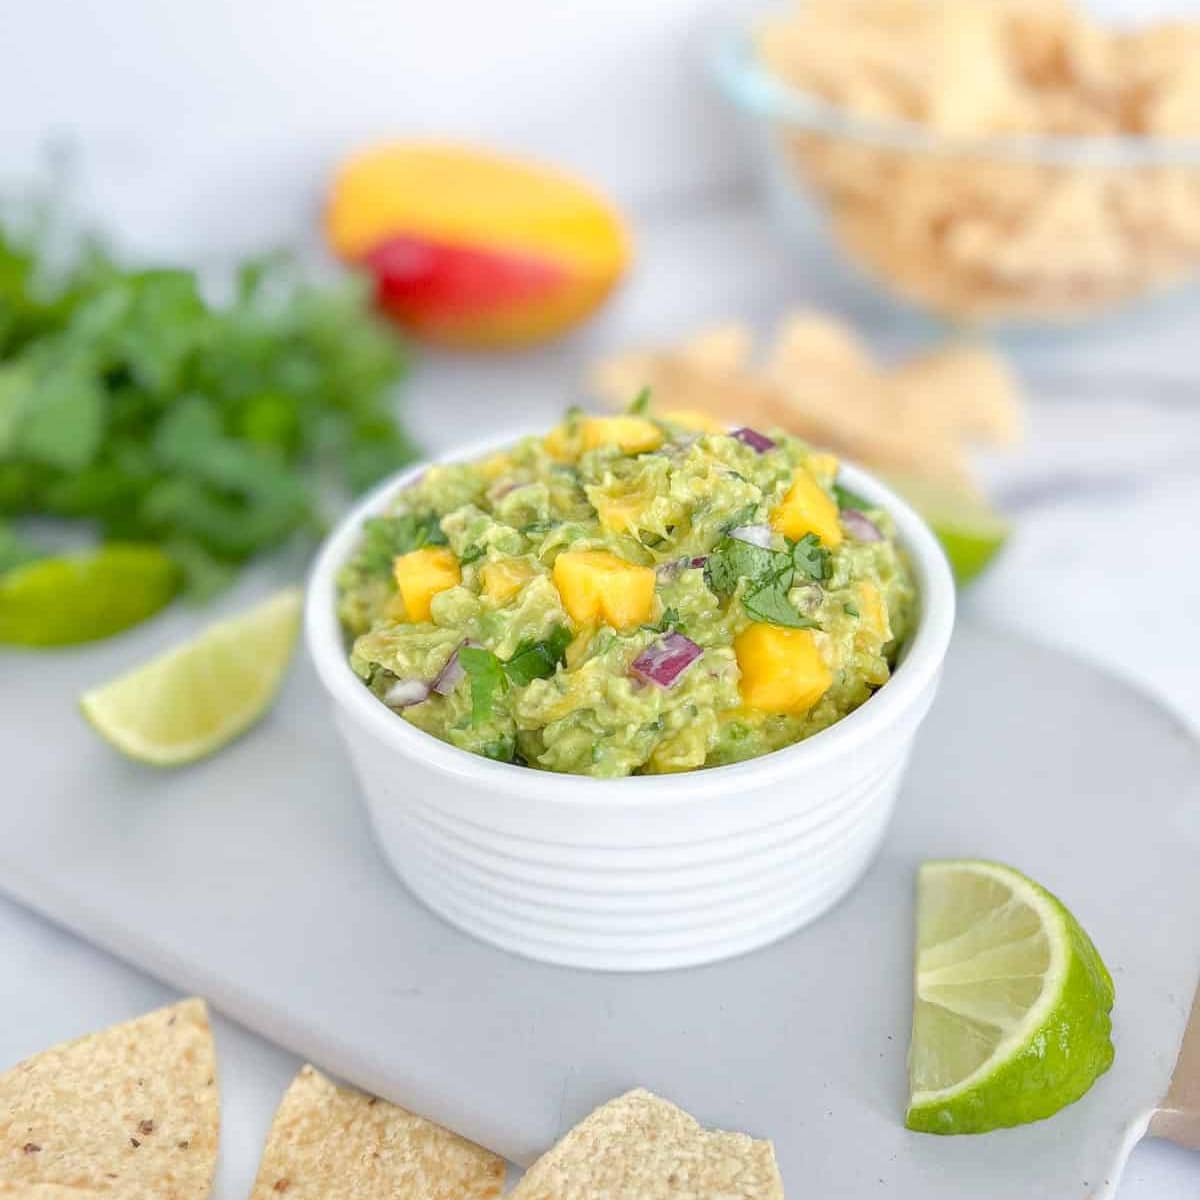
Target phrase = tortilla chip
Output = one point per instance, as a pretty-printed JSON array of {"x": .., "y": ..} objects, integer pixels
[
  {"x": 809, "y": 343},
  {"x": 723, "y": 349},
  {"x": 966, "y": 388},
  {"x": 677, "y": 385},
  {"x": 48, "y": 1191},
  {"x": 333, "y": 1143},
  {"x": 639, "y": 1147},
  {"x": 130, "y": 1112}
]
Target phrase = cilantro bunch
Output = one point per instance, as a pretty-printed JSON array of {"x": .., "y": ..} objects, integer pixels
[{"x": 131, "y": 402}]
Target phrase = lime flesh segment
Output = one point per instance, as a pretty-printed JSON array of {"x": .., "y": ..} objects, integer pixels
[
  {"x": 1011, "y": 1002},
  {"x": 191, "y": 701},
  {"x": 80, "y": 598},
  {"x": 971, "y": 532}
]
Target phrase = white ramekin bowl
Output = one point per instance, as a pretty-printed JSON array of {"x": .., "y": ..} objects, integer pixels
[{"x": 648, "y": 872}]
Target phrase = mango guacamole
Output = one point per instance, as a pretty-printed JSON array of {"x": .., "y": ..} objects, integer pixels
[{"x": 628, "y": 595}]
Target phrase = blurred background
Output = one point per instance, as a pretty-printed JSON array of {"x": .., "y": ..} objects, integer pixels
[
  {"x": 203, "y": 133},
  {"x": 722, "y": 191}
]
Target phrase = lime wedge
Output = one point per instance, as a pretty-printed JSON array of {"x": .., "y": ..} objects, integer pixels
[
  {"x": 61, "y": 601},
  {"x": 1011, "y": 1002},
  {"x": 191, "y": 701},
  {"x": 972, "y": 533}
]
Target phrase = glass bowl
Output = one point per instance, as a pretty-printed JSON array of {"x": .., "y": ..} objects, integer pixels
[{"x": 1016, "y": 231}]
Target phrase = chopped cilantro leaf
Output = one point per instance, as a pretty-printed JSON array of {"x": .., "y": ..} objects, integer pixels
[
  {"x": 538, "y": 660},
  {"x": 490, "y": 676},
  {"x": 850, "y": 610},
  {"x": 731, "y": 560},
  {"x": 810, "y": 558},
  {"x": 386, "y": 537},
  {"x": 538, "y": 527},
  {"x": 668, "y": 621},
  {"x": 486, "y": 674},
  {"x": 472, "y": 554},
  {"x": 769, "y": 574},
  {"x": 769, "y": 602}
]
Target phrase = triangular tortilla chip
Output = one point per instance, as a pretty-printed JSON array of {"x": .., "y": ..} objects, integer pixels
[
  {"x": 130, "y": 1112},
  {"x": 333, "y": 1143},
  {"x": 639, "y": 1147}
]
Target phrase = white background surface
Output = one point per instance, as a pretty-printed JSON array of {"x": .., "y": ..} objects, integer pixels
[{"x": 205, "y": 127}]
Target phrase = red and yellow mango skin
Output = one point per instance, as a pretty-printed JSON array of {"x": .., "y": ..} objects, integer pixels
[{"x": 471, "y": 249}]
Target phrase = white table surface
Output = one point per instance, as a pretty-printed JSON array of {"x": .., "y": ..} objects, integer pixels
[{"x": 1103, "y": 562}]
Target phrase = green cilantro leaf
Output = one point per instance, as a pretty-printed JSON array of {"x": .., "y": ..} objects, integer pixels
[
  {"x": 768, "y": 574},
  {"x": 538, "y": 660},
  {"x": 668, "y": 621},
  {"x": 63, "y": 422},
  {"x": 769, "y": 602},
  {"x": 472, "y": 554},
  {"x": 810, "y": 559},
  {"x": 487, "y": 678},
  {"x": 850, "y": 610},
  {"x": 731, "y": 560}
]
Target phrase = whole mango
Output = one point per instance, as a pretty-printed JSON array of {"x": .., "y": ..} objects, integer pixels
[{"x": 475, "y": 249}]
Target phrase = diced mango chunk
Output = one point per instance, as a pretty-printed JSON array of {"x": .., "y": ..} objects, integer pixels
[
  {"x": 632, "y": 434},
  {"x": 807, "y": 509},
  {"x": 782, "y": 669},
  {"x": 421, "y": 574},
  {"x": 873, "y": 612},
  {"x": 691, "y": 418},
  {"x": 596, "y": 585},
  {"x": 505, "y": 577}
]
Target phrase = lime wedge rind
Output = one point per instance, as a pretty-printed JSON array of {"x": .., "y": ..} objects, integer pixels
[
  {"x": 971, "y": 532},
  {"x": 1052, "y": 1054},
  {"x": 83, "y": 598},
  {"x": 190, "y": 701}
]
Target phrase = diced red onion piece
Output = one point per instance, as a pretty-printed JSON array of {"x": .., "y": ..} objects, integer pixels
[
  {"x": 755, "y": 440},
  {"x": 860, "y": 527},
  {"x": 666, "y": 660},
  {"x": 700, "y": 561},
  {"x": 451, "y": 674},
  {"x": 406, "y": 692},
  {"x": 755, "y": 535},
  {"x": 448, "y": 677}
]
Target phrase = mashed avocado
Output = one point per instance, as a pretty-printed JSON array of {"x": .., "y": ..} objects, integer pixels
[{"x": 627, "y": 595}]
